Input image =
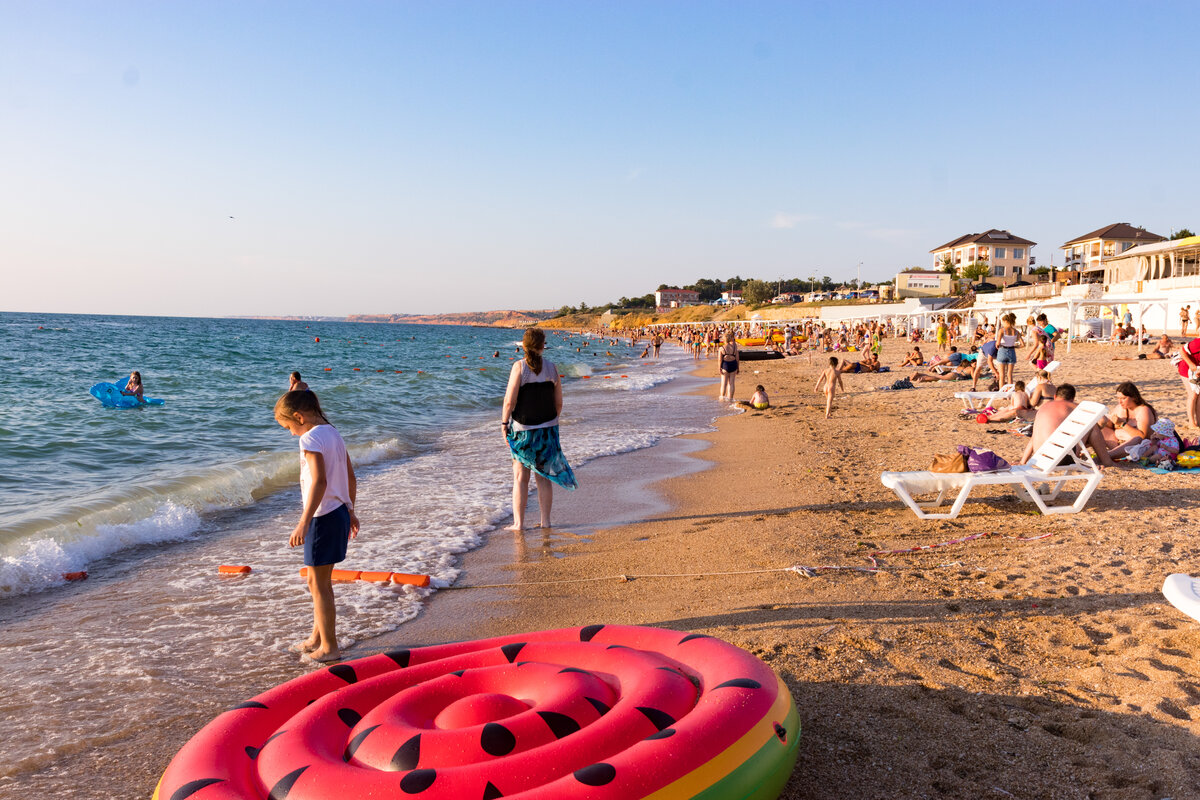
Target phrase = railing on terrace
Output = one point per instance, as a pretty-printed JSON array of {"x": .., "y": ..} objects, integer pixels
[{"x": 1037, "y": 290}]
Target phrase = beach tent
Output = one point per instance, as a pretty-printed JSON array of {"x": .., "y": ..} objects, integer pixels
[{"x": 1074, "y": 304}]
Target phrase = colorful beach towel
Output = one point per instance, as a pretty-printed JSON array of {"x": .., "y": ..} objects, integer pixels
[{"x": 539, "y": 449}]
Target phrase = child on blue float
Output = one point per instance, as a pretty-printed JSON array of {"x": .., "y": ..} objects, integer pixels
[{"x": 328, "y": 522}]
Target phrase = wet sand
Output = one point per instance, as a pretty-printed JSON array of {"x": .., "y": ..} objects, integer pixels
[{"x": 998, "y": 667}]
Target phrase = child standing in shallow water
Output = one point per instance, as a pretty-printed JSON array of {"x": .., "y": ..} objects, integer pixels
[
  {"x": 327, "y": 522},
  {"x": 832, "y": 380}
]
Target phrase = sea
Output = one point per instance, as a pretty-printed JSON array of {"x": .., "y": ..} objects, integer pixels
[{"x": 104, "y": 678}]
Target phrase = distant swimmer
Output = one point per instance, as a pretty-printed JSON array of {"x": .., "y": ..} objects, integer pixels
[
  {"x": 134, "y": 387},
  {"x": 496, "y": 354},
  {"x": 296, "y": 384}
]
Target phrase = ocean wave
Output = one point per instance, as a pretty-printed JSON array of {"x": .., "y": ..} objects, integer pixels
[{"x": 36, "y": 553}]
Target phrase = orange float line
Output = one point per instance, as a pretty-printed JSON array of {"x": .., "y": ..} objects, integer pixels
[
  {"x": 229, "y": 569},
  {"x": 74, "y": 576},
  {"x": 375, "y": 577}
]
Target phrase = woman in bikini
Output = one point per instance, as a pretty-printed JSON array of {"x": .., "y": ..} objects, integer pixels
[
  {"x": 729, "y": 361},
  {"x": 1130, "y": 421}
]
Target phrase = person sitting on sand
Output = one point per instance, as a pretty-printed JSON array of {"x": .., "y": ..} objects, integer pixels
[
  {"x": 1051, "y": 415},
  {"x": 296, "y": 384},
  {"x": 913, "y": 359},
  {"x": 134, "y": 388},
  {"x": 1020, "y": 408},
  {"x": 758, "y": 401},
  {"x": 1129, "y": 423},
  {"x": 831, "y": 379}
]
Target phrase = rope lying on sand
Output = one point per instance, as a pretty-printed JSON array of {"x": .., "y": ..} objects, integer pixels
[{"x": 797, "y": 569}]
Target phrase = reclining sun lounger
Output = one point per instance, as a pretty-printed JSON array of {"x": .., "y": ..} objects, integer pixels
[
  {"x": 986, "y": 398},
  {"x": 1054, "y": 463}
]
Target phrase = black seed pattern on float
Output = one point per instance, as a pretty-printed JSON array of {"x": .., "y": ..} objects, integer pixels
[
  {"x": 345, "y": 672},
  {"x": 587, "y": 633},
  {"x": 349, "y": 716},
  {"x": 497, "y": 740},
  {"x": 401, "y": 657},
  {"x": 280, "y": 790},
  {"x": 248, "y": 704},
  {"x": 490, "y": 792},
  {"x": 600, "y": 707},
  {"x": 191, "y": 787},
  {"x": 408, "y": 755},
  {"x": 356, "y": 743},
  {"x": 252, "y": 752},
  {"x": 781, "y": 732},
  {"x": 596, "y": 775},
  {"x": 665, "y": 733},
  {"x": 511, "y": 650},
  {"x": 560, "y": 724},
  {"x": 574, "y": 669},
  {"x": 659, "y": 719},
  {"x": 459, "y": 673},
  {"x": 740, "y": 683},
  {"x": 418, "y": 781},
  {"x": 270, "y": 739},
  {"x": 692, "y": 636}
]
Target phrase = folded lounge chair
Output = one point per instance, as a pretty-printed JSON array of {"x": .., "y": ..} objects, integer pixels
[
  {"x": 984, "y": 398},
  {"x": 1058, "y": 460}
]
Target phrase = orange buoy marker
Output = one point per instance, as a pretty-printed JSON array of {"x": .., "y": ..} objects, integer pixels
[
  {"x": 358, "y": 369},
  {"x": 374, "y": 577},
  {"x": 316, "y": 338},
  {"x": 329, "y": 369},
  {"x": 229, "y": 569},
  {"x": 74, "y": 576}
]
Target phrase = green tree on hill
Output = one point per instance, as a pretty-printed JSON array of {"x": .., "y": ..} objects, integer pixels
[
  {"x": 756, "y": 291},
  {"x": 1182, "y": 233}
]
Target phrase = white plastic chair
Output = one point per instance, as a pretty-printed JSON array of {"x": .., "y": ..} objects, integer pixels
[
  {"x": 1055, "y": 462},
  {"x": 986, "y": 398}
]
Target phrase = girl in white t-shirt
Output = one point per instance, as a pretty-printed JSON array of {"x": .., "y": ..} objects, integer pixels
[{"x": 327, "y": 522}]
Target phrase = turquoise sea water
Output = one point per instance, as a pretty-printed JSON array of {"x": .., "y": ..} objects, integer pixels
[{"x": 151, "y": 500}]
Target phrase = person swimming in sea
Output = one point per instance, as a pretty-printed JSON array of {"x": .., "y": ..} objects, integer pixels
[
  {"x": 134, "y": 388},
  {"x": 296, "y": 383}
]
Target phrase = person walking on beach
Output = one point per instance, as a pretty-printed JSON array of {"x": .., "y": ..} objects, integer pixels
[
  {"x": 831, "y": 378},
  {"x": 327, "y": 522},
  {"x": 529, "y": 419},
  {"x": 1184, "y": 317},
  {"x": 730, "y": 360}
]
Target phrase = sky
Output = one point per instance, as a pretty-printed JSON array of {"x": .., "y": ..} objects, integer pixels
[{"x": 328, "y": 158}]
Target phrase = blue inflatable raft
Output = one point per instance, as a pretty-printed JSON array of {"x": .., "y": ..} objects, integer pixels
[{"x": 109, "y": 394}]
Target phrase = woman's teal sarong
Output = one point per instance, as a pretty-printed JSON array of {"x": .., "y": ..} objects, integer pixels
[{"x": 539, "y": 449}]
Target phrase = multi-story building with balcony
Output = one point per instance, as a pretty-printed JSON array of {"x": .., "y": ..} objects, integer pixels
[
  {"x": 666, "y": 299},
  {"x": 1007, "y": 256},
  {"x": 1087, "y": 254}
]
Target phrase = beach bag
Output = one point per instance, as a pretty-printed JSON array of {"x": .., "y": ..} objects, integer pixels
[
  {"x": 903, "y": 383},
  {"x": 982, "y": 460},
  {"x": 948, "y": 462}
]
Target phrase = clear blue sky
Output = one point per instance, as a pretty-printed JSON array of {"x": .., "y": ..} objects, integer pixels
[{"x": 213, "y": 158}]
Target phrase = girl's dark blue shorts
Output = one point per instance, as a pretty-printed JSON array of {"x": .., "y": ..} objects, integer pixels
[{"x": 327, "y": 537}]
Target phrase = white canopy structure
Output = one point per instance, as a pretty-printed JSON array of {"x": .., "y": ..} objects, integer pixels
[{"x": 1073, "y": 304}]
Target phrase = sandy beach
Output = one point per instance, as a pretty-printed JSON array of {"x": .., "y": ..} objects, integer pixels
[{"x": 999, "y": 667}]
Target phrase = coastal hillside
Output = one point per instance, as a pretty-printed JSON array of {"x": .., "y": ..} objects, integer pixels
[{"x": 492, "y": 319}]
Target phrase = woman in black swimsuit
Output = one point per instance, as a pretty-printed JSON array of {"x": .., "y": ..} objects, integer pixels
[{"x": 729, "y": 367}]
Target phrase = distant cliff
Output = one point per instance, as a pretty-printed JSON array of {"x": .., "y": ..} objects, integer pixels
[{"x": 491, "y": 319}]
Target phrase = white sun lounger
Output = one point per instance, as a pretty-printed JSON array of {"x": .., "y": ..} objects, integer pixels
[
  {"x": 1043, "y": 468},
  {"x": 984, "y": 398}
]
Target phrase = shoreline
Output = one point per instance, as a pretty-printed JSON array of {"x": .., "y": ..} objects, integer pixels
[{"x": 995, "y": 667}]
